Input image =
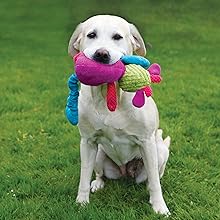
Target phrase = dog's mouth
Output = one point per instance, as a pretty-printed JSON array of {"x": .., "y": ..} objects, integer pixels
[{"x": 104, "y": 55}]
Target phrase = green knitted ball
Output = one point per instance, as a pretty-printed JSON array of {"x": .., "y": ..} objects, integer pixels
[{"x": 134, "y": 78}]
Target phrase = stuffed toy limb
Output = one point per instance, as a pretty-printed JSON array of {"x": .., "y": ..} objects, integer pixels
[
  {"x": 72, "y": 100},
  {"x": 134, "y": 59}
]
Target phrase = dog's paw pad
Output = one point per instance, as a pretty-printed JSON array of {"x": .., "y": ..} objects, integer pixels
[{"x": 97, "y": 184}]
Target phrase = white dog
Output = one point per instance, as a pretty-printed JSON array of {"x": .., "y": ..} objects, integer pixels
[{"x": 111, "y": 142}]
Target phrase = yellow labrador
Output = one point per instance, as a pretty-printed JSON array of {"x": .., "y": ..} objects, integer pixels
[{"x": 111, "y": 142}]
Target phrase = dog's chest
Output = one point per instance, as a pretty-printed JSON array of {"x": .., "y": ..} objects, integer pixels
[
  {"x": 118, "y": 145},
  {"x": 119, "y": 132}
]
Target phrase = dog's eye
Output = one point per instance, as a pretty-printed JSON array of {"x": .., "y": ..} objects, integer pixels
[
  {"x": 117, "y": 37},
  {"x": 92, "y": 35}
]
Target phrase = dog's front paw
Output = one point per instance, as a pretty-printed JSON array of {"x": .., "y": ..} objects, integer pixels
[
  {"x": 160, "y": 207},
  {"x": 97, "y": 184},
  {"x": 82, "y": 198}
]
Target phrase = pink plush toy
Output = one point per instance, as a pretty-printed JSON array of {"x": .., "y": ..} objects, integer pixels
[{"x": 90, "y": 72}]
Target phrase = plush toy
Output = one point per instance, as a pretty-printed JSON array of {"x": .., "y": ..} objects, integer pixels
[
  {"x": 137, "y": 79},
  {"x": 130, "y": 72}
]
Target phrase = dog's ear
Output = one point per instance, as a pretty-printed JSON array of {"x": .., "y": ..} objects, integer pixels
[
  {"x": 137, "y": 41},
  {"x": 74, "y": 42}
]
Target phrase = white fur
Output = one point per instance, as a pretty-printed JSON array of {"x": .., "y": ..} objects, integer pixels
[{"x": 118, "y": 136}]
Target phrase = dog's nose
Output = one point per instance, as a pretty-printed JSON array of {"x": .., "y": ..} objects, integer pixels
[{"x": 102, "y": 55}]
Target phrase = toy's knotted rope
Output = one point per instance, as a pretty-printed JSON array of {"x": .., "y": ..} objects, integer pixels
[
  {"x": 111, "y": 96},
  {"x": 72, "y": 100}
]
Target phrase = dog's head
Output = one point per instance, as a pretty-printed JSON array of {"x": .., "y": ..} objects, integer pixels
[{"x": 106, "y": 38}]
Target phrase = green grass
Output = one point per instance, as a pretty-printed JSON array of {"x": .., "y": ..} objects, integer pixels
[{"x": 39, "y": 149}]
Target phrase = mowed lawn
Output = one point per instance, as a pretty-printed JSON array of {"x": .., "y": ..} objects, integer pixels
[{"x": 39, "y": 149}]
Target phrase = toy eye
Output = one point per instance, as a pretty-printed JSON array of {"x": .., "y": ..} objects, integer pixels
[
  {"x": 117, "y": 37},
  {"x": 92, "y": 35}
]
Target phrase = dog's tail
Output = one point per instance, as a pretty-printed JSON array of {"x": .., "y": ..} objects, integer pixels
[{"x": 159, "y": 138}]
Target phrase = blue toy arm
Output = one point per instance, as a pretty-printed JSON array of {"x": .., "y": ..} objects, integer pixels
[
  {"x": 72, "y": 100},
  {"x": 134, "y": 59}
]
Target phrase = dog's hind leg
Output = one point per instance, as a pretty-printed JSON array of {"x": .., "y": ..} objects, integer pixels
[
  {"x": 112, "y": 170},
  {"x": 104, "y": 167},
  {"x": 162, "y": 153}
]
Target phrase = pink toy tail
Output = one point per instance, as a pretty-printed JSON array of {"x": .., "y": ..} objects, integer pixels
[
  {"x": 154, "y": 69},
  {"x": 111, "y": 97}
]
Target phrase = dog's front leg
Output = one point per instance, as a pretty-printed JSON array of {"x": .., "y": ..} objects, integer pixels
[
  {"x": 87, "y": 154},
  {"x": 150, "y": 158}
]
